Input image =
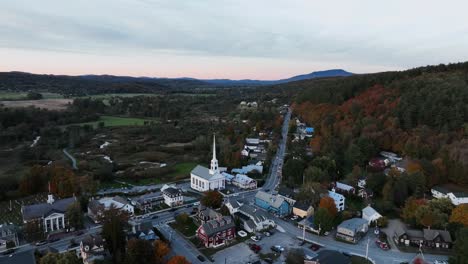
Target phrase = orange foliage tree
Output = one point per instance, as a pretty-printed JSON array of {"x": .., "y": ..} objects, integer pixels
[
  {"x": 329, "y": 204},
  {"x": 161, "y": 249},
  {"x": 178, "y": 260},
  {"x": 460, "y": 214}
]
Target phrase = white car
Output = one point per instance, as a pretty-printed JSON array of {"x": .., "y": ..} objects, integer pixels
[
  {"x": 242, "y": 233},
  {"x": 440, "y": 262},
  {"x": 255, "y": 238}
]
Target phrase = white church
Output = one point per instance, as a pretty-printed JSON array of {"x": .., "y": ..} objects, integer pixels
[{"x": 203, "y": 179}]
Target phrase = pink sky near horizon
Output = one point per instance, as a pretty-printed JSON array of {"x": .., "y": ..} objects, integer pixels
[{"x": 164, "y": 65}]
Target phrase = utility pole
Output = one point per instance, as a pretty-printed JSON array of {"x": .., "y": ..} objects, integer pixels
[{"x": 303, "y": 233}]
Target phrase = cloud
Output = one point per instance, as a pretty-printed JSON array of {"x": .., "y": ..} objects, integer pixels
[{"x": 367, "y": 35}]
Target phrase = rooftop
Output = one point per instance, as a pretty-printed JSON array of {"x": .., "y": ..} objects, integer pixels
[{"x": 35, "y": 211}]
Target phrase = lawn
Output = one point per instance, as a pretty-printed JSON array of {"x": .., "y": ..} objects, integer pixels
[
  {"x": 115, "y": 121},
  {"x": 107, "y": 96},
  {"x": 189, "y": 229},
  {"x": 22, "y": 96},
  {"x": 182, "y": 169}
]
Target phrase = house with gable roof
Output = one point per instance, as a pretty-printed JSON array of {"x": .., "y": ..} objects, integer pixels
[{"x": 273, "y": 203}]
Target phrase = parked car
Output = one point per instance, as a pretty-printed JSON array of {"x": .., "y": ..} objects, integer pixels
[
  {"x": 242, "y": 233},
  {"x": 268, "y": 260},
  {"x": 315, "y": 247},
  {"x": 155, "y": 217},
  {"x": 196, "y": 203},
  {"x": 8, "y": 251},
  {"x": 382, "y": 245},
  {"x": 267, "y": 233},
  {"x": 255, "y": 238},
  {"x": 294, "y": 217},
  {"x": 201, "y": 258},
  {"x": 277, "y": 248},
  {"x": 42, "y": 242},
  {"x": 53, "y": 239},
  {"x": 440, "y": 262},
  {"x": 255, "y": 248}
]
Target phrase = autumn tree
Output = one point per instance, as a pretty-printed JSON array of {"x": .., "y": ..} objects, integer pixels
[
  {"x": 213, "y": 199},
  {"x": 310, "y": 192},
  {"x": 161, "y": 249},
  {"x": 408, "y": 212},
  {"x": 178, "y": 260},
  {"x": 63, "y": 258},
  {"x": 182, "y": 219},
  {"x": 329, "y": 204},
  {"x": 139, "y": 251},
  {"x": 460, "y": 214}
]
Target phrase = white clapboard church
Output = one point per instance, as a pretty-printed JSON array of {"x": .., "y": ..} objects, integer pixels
[{"x": 203, "y": 179}]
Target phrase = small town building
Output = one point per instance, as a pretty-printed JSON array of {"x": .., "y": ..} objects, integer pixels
[
  {"x": 273, "y": 203},
  {"x": 352, "y": 230},
  {"x": 344, "y": 188},
  {"x": 8, "y": 232},
  {"x": 244, "y": 182},
  {"x": 92, "y": 248},
  {"x": 217, "y": 232},
  {"x": 253, "y": 219},
  {"x": 21, "y": 257},
  {"x": 51, "y": 214},
  {"x": 338, "y": 198},
  {"x": 96, "y": 208},
  {"x": 370, "y": 214},
  {"x": 288, "y": 194},
  {"x": 432, "y": 238},
  {"x": 206, "y": 214},
  {"x": 143, "y": 231},
  {"x": 203, "y": 179},
  {"x": 302, "y": 209},
  {"x": 455, "y": 196},
  {"x": 172, "y": 196}
]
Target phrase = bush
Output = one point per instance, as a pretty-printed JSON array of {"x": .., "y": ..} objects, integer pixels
[{"x": 382, "y": 222}]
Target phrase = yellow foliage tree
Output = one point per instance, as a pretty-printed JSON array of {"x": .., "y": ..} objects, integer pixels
[{"x": 460, "y": 214}]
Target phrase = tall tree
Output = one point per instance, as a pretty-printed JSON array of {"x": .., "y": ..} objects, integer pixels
[
  {"x": 139, "y": 251},
  {"x": 460, "y": 215},
  {"x": 178, "y": 260},
  {"x": 74, "y": 215},
  {"x": 323, "y": 220},
  {"x": 213, "y": 199},
  {"x": 461, "y": 248},
  {"x": 114, "y": 222}
]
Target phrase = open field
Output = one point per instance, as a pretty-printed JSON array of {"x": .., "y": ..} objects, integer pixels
[
  {"x": 50, "y": 104},
  {"x": 115, "y": 121},
  {"x": 107, "y": 96},
  {"x": 182, "y": 170},
  {"x": 22, "y": 95}
]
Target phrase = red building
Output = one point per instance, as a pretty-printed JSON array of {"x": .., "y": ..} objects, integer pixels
[{"x": 217, "y": 232}]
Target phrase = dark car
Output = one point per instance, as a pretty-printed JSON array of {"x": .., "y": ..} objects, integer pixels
[
  {"x": 173, "y": 209},
  {"x": 315, "y": 247},
  {"x": 40, "y": 243},
  {"x": 255, "y": 248},
  {"x": 268, "y": 260},
  {"x": 267, "y": 190},
  {"x": 79, "y": 233},
  {"x": 154, "y": 217},
  {"x": 8, "y": 252},
  {"x": 201, "y": 258}
]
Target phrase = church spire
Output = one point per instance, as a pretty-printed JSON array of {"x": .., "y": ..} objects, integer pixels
[{"x": 214, "y": 162}]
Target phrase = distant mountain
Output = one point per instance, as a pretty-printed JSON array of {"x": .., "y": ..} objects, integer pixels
[{"x": 312, "y": 75}]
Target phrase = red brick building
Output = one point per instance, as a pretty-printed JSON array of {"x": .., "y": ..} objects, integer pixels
[{"x": 217, "y": 232}]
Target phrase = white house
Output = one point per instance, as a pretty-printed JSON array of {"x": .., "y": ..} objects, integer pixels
[
  {"x": 456, "y": 198},
  {"x": 51, "y": 215},
  {"x": 244, "y": 182},
  {"x": 97, "y": 207},
  {"x": 173, "y": 196},
  {"x": 370, "y": 214},
  {"x": 203, "y": 179},
  {"x": 338, "y": 198},
  {"x": 343, "y": 187}
]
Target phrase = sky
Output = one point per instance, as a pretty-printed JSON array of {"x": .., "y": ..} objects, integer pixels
[{"x": 237, "y": 39}]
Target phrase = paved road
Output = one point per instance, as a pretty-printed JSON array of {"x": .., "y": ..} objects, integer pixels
[
  {"x": 73, "y": 160},
  {"x": 274, "y": 177},
  {"x": 185, "y": 185}
]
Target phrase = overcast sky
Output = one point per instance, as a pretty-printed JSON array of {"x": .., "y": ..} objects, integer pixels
[{"x": 256, "y": 39}]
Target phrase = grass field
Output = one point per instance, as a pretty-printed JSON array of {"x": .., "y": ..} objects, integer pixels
[
  {"x": 21, "y": 96},
  {"x": 182, "y": 169},
  {"x": 107, "y": 96},
  {"x": 115, "y": 121}
]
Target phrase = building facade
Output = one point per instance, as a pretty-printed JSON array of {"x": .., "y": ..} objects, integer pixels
[
  {"x": 339, "y": 200},
  {"x": 50, "y": 215},
  {"x": 96, "y": 208},
  {"x": 274, "y": 204},
  {"x": 217, "y": 232},
  {"x": 203, "y": 179},
  {"x": 173, "y": 196},
  {"x": 92, "y": 249},
  {"x": 352, "y": 230}
]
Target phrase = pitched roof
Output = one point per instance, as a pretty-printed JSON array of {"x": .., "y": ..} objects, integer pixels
[
  {"x": 257, "y": 215},
  {"x": 7, "y": 228},
  {"x": 216, "y": 225},
  {"x": 172, "y": 191},
  {"x": 274, "y": 201},
  {"x": 332, "y": 256},
  {"x": 304, "y": 206},
  {"x": 440, "y": 189},
  {"x": 92, "y": 241},
  {"x": 207, "y": 212},
  {"x": 343, "y": 186},
  {"x": 353, "y": 223},
  {"x": 431, "y": 234},
  {"x": 44, "y": 209},
  {"x": 369, "y": 211},
  {"x": 286, "y": 192},
  {"x": 202, "y": 172},
  {"x": 233, "y": 202}
]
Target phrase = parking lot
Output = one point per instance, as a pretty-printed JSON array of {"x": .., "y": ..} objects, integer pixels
[{"x": 241, "y": 253}]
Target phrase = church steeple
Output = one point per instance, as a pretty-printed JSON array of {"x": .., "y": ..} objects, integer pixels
[{"x": 214, "y": 162}]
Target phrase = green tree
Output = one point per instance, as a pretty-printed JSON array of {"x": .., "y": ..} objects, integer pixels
[
  {"x": 295, "y": 256},
  {"x": 213, "y": 199},
  {"x": 323, "y": 220},
  {"x": 74, "y": 215},
  {"x": 293, "y": 170},
  {"x": 182, "y": 219},
  {"x": 461, "y": 248},
  {"x": 63, "y": 258},
  {"x": 315, "y": 174}
]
